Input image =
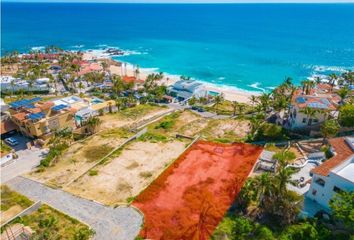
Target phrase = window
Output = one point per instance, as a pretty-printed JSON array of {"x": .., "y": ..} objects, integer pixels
[
  {"x": 320, "y": 182},
  {"x": 315, "y": 120},
  {"x": 314, "y": 191},
  {"x": 304, "y": 120},
  {"x": 337, "y": 189}
]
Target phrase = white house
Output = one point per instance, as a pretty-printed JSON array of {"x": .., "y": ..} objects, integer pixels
[
  {"x": 334, "y": 175},
  {"x": 185, "y": 89},
  {"x": 10, "y": 83},
  {"x": 325, "y": 105}
]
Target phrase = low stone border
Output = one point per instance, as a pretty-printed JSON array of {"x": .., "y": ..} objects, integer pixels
[{"x": 27, "y": 211}]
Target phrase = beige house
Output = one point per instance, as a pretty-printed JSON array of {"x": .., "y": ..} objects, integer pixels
[{"x": 38, "y": 119}]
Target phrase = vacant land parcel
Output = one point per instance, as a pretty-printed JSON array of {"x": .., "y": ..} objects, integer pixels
[{"x": 190, "y": 198}]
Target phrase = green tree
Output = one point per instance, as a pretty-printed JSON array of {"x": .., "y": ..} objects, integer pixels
[
  {"x": 93, "y": 123},
  {"x": 346, "y": 115},
  {"x": 234, "y": 105},
  {"x": 310, "y": 114},
  {"x": 329, "y": 128},
  {"x": 343, "y": 92},
  {"x": 218, "y": 100},
  {"x": 302, "y": 231},
  {"x": 342, "y": 206}
]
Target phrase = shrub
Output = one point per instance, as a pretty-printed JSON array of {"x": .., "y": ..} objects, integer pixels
[
  {"x": 93, "y": 172},
  {"x": 166, "y": 124}
]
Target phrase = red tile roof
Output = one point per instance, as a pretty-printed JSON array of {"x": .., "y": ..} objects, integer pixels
[
  {"x": 131, "y": 79},
  {"x": 7, "y": 126},
  {"x": 343, "y": 152},
  {"x": 20, "y": 116},
  {"x": 323, "y": 101}
]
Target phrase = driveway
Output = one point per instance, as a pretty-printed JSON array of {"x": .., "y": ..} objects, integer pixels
[
  {"x": 27, "y": 160},
  {"x": 122, "y": 223}
]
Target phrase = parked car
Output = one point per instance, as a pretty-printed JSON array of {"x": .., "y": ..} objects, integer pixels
[{"x": 11, "y": 141}]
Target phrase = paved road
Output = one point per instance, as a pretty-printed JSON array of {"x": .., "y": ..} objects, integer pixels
[
  {"x": 27, "y": 160},
  {"x": 121, "y": 223}
]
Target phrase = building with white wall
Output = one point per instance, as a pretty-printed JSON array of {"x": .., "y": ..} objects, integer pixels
[
  {"x": 185, "y": 89},
  {"x": 324, "y": 105},
  {"x": 334, "y": 175}
]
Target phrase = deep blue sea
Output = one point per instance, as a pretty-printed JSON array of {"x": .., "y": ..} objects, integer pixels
[{"x": 247, "y": 46}]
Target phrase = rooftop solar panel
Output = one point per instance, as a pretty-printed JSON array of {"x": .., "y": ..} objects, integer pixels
[
  {"x": 36, "y": 99},
  {"x": 317, "y": 105},
  {"x": 300, "y": 100},
  {"x": 36, "y": 116},
  {"x": 325, "y": 101},
  {"x": 20, "y": 103},
  {"x": 59, "y": 107}
]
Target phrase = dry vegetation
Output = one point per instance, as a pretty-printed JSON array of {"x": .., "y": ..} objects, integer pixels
[
  {"x": 127, "y": 174},
  {"x": 227, "y": 130},
  {"x": 12, "y": 203},
  {"x": 130, "y": 116},
  {"x": 80, "y": 157}
]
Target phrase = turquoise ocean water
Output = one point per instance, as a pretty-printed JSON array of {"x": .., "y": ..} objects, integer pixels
[{"x": 247, "y": 46}]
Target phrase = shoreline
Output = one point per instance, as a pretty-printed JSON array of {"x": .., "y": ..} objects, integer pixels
[{"x": 230, "y": 93}]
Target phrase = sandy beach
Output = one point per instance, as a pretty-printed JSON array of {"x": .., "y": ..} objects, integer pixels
[{"x": 230, "y": 94}]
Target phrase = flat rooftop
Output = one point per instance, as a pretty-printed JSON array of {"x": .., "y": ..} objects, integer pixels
[{"x": 347, "y": 172}]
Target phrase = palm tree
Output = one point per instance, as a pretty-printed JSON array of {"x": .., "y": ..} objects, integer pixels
[
  {"x": 234, "y": 105},
  {"x": 81, "y": 86},
  {"x": 283, "y": 173},
  {"x": 265, "y": 188},
  {"x": 343, "y": 93},
  {"x": 218, "y": 99},
  {"x": 329, "y": 128},
  {"x": 93, "y": 123},
  {"x": 118, "y": 84},
  {"x": 12, "y": 83},
  {"x": 310, "y": 113},
  {"x": 253, "y": 99},
  {"x": 332, "y": 78},
  {"x": 264, "y": 101}
]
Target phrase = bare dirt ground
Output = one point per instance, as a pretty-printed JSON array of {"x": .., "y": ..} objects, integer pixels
[
  {"x": 126, "y": 175},
  {"x": 228, "y": 129},
  {"x": 80, "y": 157},
  {"x": 131, "y": 116},
  {"x": 186, "y": 123},
  {"x": 9, "y": 213}
]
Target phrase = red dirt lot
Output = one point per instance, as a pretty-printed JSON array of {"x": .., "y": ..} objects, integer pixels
[{"x": 189, "y": 199}]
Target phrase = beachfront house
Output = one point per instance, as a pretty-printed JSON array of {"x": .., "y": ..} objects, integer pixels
[
  {"x": 307, "y": 111},
  {"x": 185, "y": 89},
  {"x": 335, "y": 174}
]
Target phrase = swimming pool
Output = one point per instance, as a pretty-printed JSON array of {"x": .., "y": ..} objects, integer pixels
[{"x": 212, "y": 93}]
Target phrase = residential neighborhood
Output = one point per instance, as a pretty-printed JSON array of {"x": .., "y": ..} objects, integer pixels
[{"x": 130, "y": 154}]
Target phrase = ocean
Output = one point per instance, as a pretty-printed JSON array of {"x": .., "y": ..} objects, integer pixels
[{"x": 252, "y": 47}]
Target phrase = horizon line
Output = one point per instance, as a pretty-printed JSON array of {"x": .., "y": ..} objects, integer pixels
[{"x": 184, "y": 2}]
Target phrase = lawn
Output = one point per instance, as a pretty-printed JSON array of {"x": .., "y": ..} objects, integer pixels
[
  {"x": 189, "y": 199},
  {"x": 12, "y": 203},
  {"x": 48, "y": 223}
]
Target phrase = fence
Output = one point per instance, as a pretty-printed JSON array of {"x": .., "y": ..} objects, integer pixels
[
  {"x": 27, "y": 211},
  {"x": 137, "y": 135}
]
